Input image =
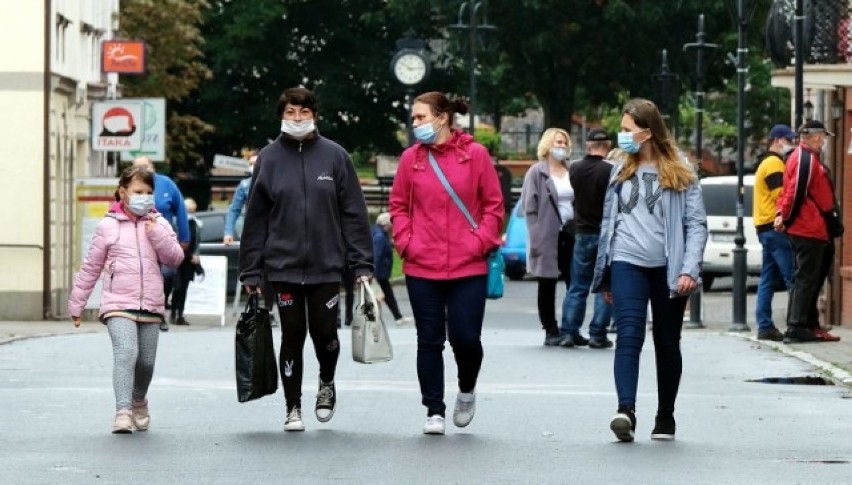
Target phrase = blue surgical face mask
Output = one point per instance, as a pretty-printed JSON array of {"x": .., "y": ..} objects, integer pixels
[
  {"x": 425, "y": 133},
  {"x": 627, "y": 143},
  {"x": 140, "y": 204},
  {"x": 559, "y": 153}
]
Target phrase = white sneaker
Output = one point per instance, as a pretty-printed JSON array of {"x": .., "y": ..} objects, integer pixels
[
  {"x": 434, "y": 425},
  {"x": 294, "y": 421},
  {"x": 403, "y": 320},
  {"x": 465, "y": 409}
]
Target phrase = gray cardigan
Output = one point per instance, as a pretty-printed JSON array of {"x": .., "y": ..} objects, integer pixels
[
  {"x": 685, "y": 230},
  {"x": 539, "y": 199}
]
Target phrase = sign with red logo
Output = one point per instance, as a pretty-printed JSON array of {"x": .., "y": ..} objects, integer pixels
[
  {"x": 116, "y": 126},
  {"x": 123, "y": 56}
]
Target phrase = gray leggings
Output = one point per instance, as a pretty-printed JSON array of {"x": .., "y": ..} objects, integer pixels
[{"x": 134, "y": 350}]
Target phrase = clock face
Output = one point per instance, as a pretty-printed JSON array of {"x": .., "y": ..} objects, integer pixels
[{"x": 410, "y": 68}]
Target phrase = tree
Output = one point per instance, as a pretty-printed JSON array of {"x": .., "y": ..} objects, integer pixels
[
  {"x": 341, "y": 49},
  {"x": 175, "y": 67}
]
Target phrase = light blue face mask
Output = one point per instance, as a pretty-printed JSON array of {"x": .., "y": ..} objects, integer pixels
[
  {"x": 140, "y": 204},
  {"x": 425, "y": 133},
  {"x": 627, "y": 143}
]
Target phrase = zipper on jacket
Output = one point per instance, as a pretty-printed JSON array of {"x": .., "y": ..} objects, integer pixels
[
  {"x": 305, "y": 212},
  {"x": 141, "y": 268}
]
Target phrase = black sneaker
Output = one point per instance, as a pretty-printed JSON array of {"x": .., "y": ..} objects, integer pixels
[
  {"x": 664, "y": 428},
  {"x": 600, "y": 343},
  {"x": 551, "y": 337},
  {"x": 800, "y": 336},
  {"x": 181, "y": 321},
  {"x": 326, "y": 401},
  {"x": 574, "y": 341},
  {"x": 623, "y": 424},
  {"x": 770, "y": 333}
]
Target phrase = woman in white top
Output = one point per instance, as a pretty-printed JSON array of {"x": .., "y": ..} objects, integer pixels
[{"x": 548, "y": 203}]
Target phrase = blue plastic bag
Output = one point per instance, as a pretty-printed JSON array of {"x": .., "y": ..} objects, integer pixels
[{"x": 495, "y": 275}]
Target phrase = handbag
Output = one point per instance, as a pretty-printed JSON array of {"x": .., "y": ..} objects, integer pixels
[
  {"x": 370, "y": 341},
  {"x": 254, "y": 352},
  {"x": 496, "y": 264}
]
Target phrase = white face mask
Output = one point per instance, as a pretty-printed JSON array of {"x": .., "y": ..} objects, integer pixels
[{"x": 298, "y": 129}]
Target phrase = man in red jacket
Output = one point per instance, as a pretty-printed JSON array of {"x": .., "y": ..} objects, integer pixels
[{"x": 807, "y": 193}]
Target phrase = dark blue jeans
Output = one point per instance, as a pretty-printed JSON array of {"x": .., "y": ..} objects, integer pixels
[
  {"x": 441, "y": 308},
  {"x": 574, "y": 304},
  {"x": 777, "y": 267},
  {"x": 632, "y": 287}
]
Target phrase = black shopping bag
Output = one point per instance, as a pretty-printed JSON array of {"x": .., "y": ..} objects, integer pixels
[{"x": 257, "y": 370}]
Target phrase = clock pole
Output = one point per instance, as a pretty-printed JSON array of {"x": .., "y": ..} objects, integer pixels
[{"x": 408, "y": 50}]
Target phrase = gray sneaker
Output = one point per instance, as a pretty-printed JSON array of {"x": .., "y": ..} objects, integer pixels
[
  {"x": 294, "y": 420},
  {"x": 552, "y": 340},
  {"x": 465, "y": 409},
  {"x": 164, "y": 326}
]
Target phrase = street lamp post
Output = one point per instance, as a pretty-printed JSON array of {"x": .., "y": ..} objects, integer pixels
[
  {"x": 700, "y": 47},
  {"x": 473, "y": 10},
  {"x": 667, "y": 88},
  {"x": 739, "y": 322}
]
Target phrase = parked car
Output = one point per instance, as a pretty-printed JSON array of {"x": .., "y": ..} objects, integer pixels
[
  {"x": 211, "y": 234},
  {"x": 514, "y": 247},
  {"x": 720, "y": 201}
]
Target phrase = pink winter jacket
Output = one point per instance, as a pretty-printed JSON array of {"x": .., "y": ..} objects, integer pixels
[
  {"x": 433, "y": 237},
  {"x": 129, "y": 258}
]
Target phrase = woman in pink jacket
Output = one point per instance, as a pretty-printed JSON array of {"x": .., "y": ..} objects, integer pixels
[
  {"x": 444, "y": 256},
  {"x": 129, "y": 245}
]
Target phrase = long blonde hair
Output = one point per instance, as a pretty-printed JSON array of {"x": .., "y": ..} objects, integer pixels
[{"x": 675, "y": 173}]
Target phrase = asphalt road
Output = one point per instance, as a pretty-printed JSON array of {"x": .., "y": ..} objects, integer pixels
[{"x": 542, "y": 416}]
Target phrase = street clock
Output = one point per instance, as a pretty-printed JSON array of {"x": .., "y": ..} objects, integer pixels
[{"x": 410, "y": 66}]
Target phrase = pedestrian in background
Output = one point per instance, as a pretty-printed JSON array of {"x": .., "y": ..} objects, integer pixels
[
  {"x": 185, "y": 273},
  {"x": 444, "y": 257},
  {"x": 777, "y": 264},
  {"x": 548, "y": 205},
  {"x": 241, "y": 195},
  {"x": 169, "y": 203},
  {"x": 590, "y": 178},
  {"x": 653, "y": 234},
  {"x": 383, "y": 261},
  {"x": 130, "y": 244},
  {"x": 306, "y": 218},
  {"x": 807, "y": 192}
]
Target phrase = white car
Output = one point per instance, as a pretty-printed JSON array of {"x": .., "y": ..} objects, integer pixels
[{"x": 720, "y": 201}]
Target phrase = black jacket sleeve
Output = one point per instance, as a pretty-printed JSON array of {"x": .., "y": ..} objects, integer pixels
[
  {"x": 255, "y": 228},
  {"x": 355, "y": 225}
]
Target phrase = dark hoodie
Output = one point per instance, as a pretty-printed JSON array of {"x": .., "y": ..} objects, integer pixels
[{"x": 306, "y": 215}]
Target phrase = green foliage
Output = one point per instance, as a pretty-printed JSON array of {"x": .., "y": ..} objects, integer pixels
[
  {"x": 175, "y": 68},
  {"x": 489, "y": 138}
]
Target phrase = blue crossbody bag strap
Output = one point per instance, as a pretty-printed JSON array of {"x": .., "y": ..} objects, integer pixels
[{"x": 450, "y": 191}]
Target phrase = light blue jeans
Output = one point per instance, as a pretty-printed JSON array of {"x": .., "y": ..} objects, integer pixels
[
  {"x": 574, "y": 304},
  {"x": 776, "y": 271}
]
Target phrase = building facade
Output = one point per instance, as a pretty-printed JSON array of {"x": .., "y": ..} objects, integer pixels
[{"x": 50, "y": 74}]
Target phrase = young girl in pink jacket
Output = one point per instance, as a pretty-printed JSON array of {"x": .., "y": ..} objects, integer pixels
[{"x": 129, "y": 245}]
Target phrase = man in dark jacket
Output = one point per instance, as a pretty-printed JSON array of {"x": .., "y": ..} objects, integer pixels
[
  {"x": 590, "y": 178},
  {"x": 807, "y": 193},
  {"x": 306, "y": 217}
]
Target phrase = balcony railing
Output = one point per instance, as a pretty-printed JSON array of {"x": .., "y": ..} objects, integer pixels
[{"x": 827, "y": 31}]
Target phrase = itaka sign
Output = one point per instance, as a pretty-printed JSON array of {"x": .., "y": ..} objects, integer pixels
[{"x": 123, "y": 56}]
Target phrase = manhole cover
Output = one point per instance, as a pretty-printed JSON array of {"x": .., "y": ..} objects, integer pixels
[{"x": 803, "y": 380}]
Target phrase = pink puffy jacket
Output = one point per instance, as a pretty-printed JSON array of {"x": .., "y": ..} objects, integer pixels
[{"x": 129, "y": 258}]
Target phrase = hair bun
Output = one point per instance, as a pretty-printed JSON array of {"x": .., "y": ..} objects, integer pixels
[{"x": 460, "y": 106}]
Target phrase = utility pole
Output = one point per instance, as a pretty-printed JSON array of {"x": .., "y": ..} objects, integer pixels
[{"x": 473, "y": 28}]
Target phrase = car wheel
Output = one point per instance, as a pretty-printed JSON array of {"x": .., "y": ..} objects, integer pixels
[
  {"x": 515, "y": 273},
  {"x": 708, "y": 281}
]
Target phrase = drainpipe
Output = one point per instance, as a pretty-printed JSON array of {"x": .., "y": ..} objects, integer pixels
[{"x": 45, "y": 290}]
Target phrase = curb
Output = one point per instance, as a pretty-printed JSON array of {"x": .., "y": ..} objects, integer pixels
[
  {"x": 839, "y": 376},
  {"x": 16, "y": 338}
]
